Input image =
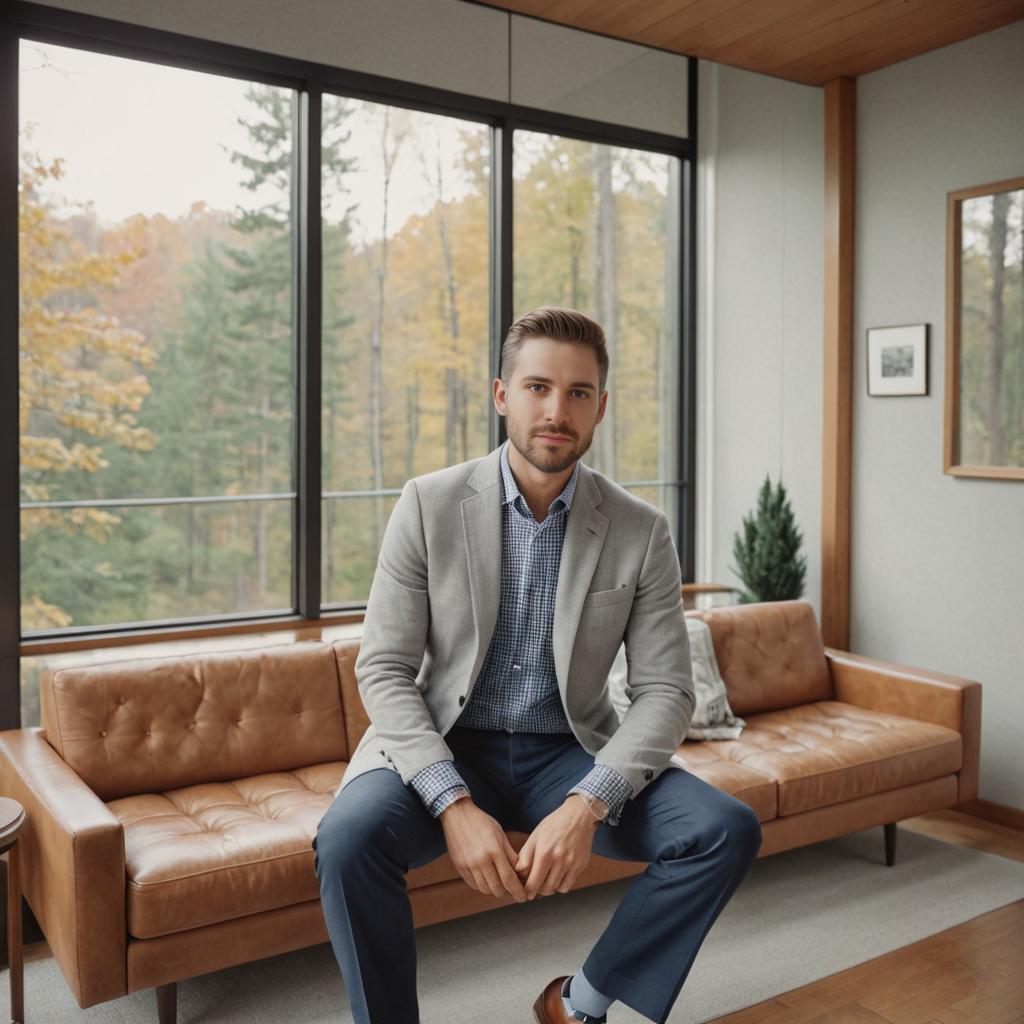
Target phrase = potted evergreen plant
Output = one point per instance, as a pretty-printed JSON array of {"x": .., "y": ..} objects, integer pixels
[{"x": 768, "y": 552}]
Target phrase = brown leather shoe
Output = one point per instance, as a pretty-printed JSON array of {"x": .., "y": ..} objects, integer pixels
[{"x": 549, "y": 1008}]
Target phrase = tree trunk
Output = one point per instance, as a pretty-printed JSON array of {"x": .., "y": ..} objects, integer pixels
[
  {"x": 412, "y": 419},
  {"x": 464, "y": 416},
  {"x": 1015, "y": 412},
  {"x": 376, "y": 338},
  {"x": 262, "y": 517},
  {"x": 454, "y": 383},
  {"x": 239, "y": 576},
  {"x": 606, "y": 299},
  {"x": 668, "y": 346},
  {"x": 190, "y": 546},
  {"x": 994, "y": 351},
  {"x": 575, "y": 243},
  {"x": 327, "y": 507},
  {"x": 190, "y": 528}
]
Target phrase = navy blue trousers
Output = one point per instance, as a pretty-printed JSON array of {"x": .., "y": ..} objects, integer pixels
[{"x": 698, "y": 843}]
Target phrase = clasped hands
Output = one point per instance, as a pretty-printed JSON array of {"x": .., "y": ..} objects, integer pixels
[{"x": 550, "y": 861}]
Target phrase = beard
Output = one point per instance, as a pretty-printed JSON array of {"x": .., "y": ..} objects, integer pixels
[{"x": 545, "y": 457}]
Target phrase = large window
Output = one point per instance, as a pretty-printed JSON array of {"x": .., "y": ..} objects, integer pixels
[
  {"x": 156, "y": 342},
  {"x": 405, "y": 317},
  {"x": 258, "y": 295}
]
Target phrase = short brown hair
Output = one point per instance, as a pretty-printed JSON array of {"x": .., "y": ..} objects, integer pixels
[{"x": 560, "y": 324}]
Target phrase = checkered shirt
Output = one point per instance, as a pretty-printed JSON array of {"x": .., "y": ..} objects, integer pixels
[{"x": 517, "y": 689}]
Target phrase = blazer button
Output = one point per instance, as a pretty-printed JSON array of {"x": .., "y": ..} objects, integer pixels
[
  {"x": 648, "y": 775},
  {"x": 462, "y": 700}
]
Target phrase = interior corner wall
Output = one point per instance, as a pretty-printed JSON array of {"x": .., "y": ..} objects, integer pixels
[
  {"x": 937, "y": 573},
  {"x": 760, "y": 309}
]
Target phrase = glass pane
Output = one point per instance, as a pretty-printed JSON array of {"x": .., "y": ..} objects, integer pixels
[
  {"x": 596, "y": 229},
  {"x": 117, "y": 565},
  {"x": 406, "y": 310},
  {"x": 350, "y": 544},
  {"x": 992, "y": 330},
  {"x": 156, "y": 337}
]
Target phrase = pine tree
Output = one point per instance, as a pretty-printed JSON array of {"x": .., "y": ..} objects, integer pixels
[
  {"x": 768, "y": 553},
  {"x": 259, "y": 348}
]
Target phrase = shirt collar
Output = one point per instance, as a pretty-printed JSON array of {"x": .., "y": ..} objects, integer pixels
[{"x": 511, "y": 490}]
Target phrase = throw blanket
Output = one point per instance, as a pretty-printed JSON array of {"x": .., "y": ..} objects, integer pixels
[{"x": 712, "y": 718}]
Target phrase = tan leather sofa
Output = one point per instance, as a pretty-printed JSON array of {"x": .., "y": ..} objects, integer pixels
[{"x": 171, "y": 802}]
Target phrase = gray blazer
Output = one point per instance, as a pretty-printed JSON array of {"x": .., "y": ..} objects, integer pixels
[{"x": 434, "y": 603}]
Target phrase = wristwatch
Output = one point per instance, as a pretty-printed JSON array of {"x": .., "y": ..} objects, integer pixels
[{"x": 597, "y": 807}]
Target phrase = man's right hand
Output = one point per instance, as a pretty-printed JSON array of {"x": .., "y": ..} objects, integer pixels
[{"x": 480, "y": 850}]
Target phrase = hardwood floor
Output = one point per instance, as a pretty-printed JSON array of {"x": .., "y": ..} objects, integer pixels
[{"x": 970, "y": 974}]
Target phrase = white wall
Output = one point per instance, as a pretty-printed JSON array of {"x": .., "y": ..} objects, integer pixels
[
  {"x": 447, "y": 44},
  {"x": 937, "y": 561},
  {"x": 760, "y": 308}
]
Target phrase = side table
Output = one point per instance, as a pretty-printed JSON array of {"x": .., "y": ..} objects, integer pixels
[{"x": 12, "y": 820}]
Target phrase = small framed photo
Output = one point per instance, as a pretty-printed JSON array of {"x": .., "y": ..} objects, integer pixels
[{"x": 898, "y": 360}]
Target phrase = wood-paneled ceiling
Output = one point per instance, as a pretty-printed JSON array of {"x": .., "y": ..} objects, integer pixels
[{"x": 809, "y": 41}]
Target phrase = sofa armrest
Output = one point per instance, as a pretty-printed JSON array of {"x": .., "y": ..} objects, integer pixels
[
  {"x": 915, "y": 693},
  {"x": 73, "y": 866}
]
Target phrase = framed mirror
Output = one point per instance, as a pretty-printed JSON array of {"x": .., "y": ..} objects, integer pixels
[{"x": 984, "y": 414}]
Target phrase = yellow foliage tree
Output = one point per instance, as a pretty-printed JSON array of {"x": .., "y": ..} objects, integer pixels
[{"x": 81, "y": 374}]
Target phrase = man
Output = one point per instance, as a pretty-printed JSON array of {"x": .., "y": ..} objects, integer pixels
[{"x": 504, "y": 588}]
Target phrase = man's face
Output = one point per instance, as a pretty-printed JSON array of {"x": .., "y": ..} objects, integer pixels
[{"x": 552, "y": 402}]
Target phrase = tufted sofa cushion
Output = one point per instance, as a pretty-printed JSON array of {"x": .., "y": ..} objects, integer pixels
[
  {"x": 770, "y": 655},
  {"x": 214, "y": 852},
  {"x": 829, "y": 753},
  {"x": 708, "y": 762},
  {"x": 148, "y": 725}
]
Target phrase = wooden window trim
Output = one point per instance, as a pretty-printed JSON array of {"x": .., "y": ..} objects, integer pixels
[
  {"x": 951, "y": 464},
  {"x": 304, "y": 629}
]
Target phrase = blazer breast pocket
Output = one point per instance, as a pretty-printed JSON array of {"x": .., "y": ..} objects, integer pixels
[{"x": 596, "y": 598}]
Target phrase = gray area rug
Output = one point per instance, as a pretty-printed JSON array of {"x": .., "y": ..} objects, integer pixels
[{"x": 799, "y": 916}]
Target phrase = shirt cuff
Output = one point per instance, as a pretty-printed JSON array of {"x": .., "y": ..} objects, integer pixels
[
  {"x": 438, "y": 785},
  {"x": 608, "y": 785}
]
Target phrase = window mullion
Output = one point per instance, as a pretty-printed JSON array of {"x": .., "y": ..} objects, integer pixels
[
  {"x": 10, "y": 586},
  {"x": 501, "y": 254},
  {"x": 308, "y": 271}
]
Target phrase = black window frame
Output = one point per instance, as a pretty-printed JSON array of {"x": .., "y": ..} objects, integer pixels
[{"x": 28, "y": 21}]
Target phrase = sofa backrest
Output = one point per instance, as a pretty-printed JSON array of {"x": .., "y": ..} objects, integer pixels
[
  {"x": 770, "y": 655},
  {"x": 150, "y": 725}
]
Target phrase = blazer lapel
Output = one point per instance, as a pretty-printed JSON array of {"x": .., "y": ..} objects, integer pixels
[
  {"x": 584, "y": 539},
  {"x": 481, "y": 524}
]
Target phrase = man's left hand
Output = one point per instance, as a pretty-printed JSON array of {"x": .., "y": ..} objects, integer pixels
[{"x": 558, "y": 849}]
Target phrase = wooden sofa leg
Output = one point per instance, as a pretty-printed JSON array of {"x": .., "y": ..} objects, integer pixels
[
  {"x": 890, "y": 843},
  {"x": 167, "y": 1003}
]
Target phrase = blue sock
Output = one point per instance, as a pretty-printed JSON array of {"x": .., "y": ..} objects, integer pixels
[{"x": 585, "y": 998}]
